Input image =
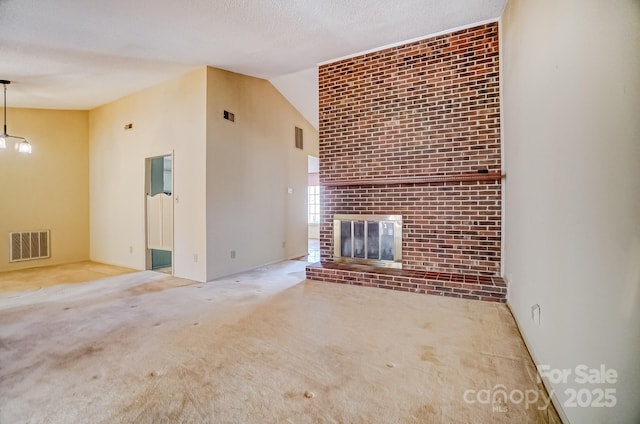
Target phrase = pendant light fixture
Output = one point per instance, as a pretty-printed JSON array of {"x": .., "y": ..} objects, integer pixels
[{"x": 23, "y": 146}]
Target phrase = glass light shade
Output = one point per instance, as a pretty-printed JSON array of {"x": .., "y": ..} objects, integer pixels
[
  {"x": 24, "y": 147},
  {"x": 3, "y": 142}
]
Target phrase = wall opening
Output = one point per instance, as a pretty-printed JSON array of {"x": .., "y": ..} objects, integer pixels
[
  {"x": 159, "y": 211},
  {"x": 313, "y": 208}
]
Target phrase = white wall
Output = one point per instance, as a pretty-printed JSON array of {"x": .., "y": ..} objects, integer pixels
[
  {"x": 571, "y": 80},
  {"x": 231, "y": 180},
  {"x": 251, "y": 163},
  {"x": 167, "y": 117},
  {"x": 295, "y": 88}
]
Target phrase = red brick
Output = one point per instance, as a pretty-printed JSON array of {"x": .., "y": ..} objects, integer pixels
[{"x": 427, "y": 108}]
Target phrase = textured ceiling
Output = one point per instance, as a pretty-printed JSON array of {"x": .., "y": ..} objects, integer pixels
[{"x": 71, "y": 54}]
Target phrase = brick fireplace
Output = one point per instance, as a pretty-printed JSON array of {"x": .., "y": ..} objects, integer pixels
[{"x": 414, "y": 131}]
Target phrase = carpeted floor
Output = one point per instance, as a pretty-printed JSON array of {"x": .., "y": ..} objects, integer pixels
[
  {"x": 260, "y": 347},
  {"x": 38, "y": 278}
]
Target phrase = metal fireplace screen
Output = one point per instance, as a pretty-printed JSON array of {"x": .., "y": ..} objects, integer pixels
[{"x": 368, "y": 240}]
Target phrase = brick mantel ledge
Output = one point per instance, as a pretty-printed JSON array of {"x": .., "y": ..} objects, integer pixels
[
  {"x": 491, "y": 176},
  {"x": 465, "y": 286}
]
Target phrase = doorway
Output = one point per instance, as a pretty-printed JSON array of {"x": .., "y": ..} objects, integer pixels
[{"x": 159, "y": 213}]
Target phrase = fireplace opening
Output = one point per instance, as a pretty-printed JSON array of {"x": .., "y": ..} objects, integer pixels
[{"x": 368, "y": 240}]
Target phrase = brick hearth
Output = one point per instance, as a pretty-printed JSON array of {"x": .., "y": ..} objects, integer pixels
[{"x": 466, "y": 286}]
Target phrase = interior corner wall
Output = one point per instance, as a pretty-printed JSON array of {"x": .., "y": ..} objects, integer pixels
[
  {"x": 571, "y": 81},
  {"x": 251, "y": 165},
  {"x": 166, "y": 118},
  {"x": 49, "y": 189}
]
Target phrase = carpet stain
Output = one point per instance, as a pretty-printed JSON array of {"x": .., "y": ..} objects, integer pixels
[
  {"x": 73, "y": 357},
  {"x": 429, "y": 354},
  {"x": 158, "y": 286},
  {"x": 3, "y": 344},
  {"x": 427, "y": 414}
]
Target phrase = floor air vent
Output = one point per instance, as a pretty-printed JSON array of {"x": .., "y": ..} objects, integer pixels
[{"x": 29, "y": 245}]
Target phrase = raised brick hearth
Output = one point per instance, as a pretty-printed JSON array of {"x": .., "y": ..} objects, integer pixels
[
  {"x": 414, "y": 130},
  {"x": 466, "y": 286}
]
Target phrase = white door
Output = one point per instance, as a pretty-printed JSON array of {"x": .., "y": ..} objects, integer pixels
[{"x": 160, "y": 221}]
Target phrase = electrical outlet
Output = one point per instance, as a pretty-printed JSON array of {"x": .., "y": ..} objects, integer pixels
[
  {"x": 195, "y": 257},
  {"x": 130, "y": 249},
  {"x": 284, "y": 244},
  {"x": 233, "y": 254}
]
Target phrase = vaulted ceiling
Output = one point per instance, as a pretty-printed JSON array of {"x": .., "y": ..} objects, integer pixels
[{"x": 70, "y": 54}]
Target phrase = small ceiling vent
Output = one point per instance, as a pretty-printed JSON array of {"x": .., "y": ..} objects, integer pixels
[{"x": 29, "y": 245}]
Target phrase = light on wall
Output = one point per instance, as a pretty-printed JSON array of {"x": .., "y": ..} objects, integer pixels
[{"x": 23, "y": 146}]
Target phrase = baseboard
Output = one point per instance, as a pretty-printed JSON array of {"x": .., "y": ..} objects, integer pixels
[
  {"x": 253, "y": 267},
  {"x": 545, "y": 381}
]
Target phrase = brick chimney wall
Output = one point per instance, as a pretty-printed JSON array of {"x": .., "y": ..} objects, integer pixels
[{"x": 414, "y": 130}]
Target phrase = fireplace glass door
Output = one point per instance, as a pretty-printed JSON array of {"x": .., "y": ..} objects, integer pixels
[{"x": 368, "y": 239}]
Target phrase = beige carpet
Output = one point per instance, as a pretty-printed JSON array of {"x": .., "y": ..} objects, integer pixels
[
  {"x": 260, "y": 347},
  {"x": 38, "y": 278}
]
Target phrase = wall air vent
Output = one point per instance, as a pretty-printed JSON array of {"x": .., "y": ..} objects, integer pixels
[
  {"x": 228, "y": 116},
  {"x": 299, "y": 143},
  {"x": 29, "y": 245}
]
